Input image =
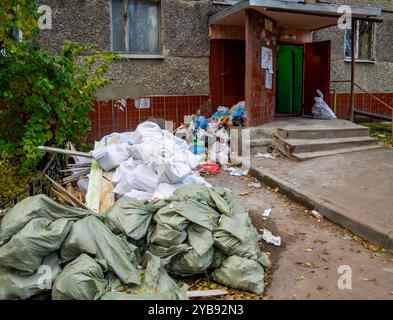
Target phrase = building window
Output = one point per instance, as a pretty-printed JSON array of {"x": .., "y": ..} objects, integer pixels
[
  {"x": 136, "y": 26},
  {"x": 364, "y": 41}
]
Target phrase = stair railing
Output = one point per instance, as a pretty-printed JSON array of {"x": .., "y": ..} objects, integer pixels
[{"x": 372, "y": 96}]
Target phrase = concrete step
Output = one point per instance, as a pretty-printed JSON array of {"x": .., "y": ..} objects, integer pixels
[
  {"x": 312, "y": 155},
  {"x": 260, "y": 145},
  {"x": 322, "y": 132},
  {"x": 292, "y": 146}
]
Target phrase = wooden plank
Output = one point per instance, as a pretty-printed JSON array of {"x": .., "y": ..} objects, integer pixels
[
  {"x": 206, "y": 293},
  {"x": 59, "y": 188},
  {"x": 76, "y": 176},
  {"x": 64, "y": 151},
  {"x": 93, "y": 195},
  {"x": 107, "y": 195}
]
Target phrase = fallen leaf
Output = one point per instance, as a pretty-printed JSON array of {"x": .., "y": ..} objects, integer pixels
[
  {"x": 391, "y": 292},
  {"x": 213, "y": 286},
  {"x": 364, "y": 279},
  {"x": 308, "y": 249},
  {"x": 242, "y": 194},
  {"x": 299, "y": 278}
]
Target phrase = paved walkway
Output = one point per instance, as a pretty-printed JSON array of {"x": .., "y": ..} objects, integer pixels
[{"x": 354, "y": 190}]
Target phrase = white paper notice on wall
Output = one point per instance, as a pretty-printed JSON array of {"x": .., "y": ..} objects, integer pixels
[
  {"x": 267, "y": 59},
  {"x": 143, "y": 103},
  {"x": 269, "y": 80}
]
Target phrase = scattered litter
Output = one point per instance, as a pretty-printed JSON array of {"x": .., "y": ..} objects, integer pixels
[
  {"x": 256, "y": 185},
  {"x": 267, "y": 213},
  {"x": 235, "y": 173},
  {"x": 317, "y": 215},
  {"x": 265, "y": 156},
  {"x": 268, "y": 237},
  {"x": 308, "y": 250}
]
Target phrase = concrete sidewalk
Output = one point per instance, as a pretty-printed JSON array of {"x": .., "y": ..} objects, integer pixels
[{"x": 354, "y": 190}]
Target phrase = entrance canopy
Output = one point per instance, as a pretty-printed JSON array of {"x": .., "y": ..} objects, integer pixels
[{"x": 305, "y": 16}]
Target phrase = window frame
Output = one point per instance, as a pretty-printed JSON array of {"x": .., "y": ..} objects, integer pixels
[
  {"x": 347, "y": 33},
  {"x": 139, "y": 55}
]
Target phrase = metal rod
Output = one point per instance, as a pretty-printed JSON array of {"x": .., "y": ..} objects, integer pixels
[{"x": 352, "y": 70}]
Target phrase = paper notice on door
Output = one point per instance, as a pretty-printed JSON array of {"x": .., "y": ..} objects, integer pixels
[
  {"x": 269, "y": 80},
  {"x": 267, "y": 59}
]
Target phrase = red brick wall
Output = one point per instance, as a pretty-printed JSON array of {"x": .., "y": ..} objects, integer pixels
[
  {"x": 363, "y": 102},
  {"x": 108, "y": 118},
  {"x": 260, "y": 102}
]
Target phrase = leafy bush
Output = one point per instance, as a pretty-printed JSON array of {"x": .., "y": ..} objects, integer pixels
[{"x": 45, "y": 98}]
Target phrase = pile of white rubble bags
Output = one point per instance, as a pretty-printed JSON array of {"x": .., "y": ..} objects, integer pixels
[{"x": 150, "y": 163}]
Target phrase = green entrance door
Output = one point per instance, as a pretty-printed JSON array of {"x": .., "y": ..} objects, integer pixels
[{"x": 289, "y": 79}]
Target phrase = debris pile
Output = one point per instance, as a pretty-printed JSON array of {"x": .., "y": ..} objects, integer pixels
[{"x": 130, "y": 251}]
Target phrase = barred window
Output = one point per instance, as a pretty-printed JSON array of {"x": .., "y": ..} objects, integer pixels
[
  {"x": 136, "y": 26},
  {"x": 364, "y": 41}
]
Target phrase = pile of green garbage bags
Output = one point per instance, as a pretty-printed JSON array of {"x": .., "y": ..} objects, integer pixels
[{"x": 131, "y": 251}]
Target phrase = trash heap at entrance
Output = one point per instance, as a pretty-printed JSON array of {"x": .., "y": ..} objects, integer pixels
[{"x": 164, "y": 221}]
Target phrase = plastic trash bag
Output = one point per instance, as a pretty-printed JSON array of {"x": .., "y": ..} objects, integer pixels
[
  {"x": 241, "y": 273},
  {"x": 111, "y": 156},
  {"x": 239, "y": 111},
  {"x": 321, "y": 110},
  {"x": 39, "y": 206},
  {"x": 192, "y": 263},
  {"x": 131, "y": 217},
  {"x": 81, "y": 279},
  {"x": 219, "y": 153},
  {"x": 232, "y": 237},
  {"x": 156, "y": 284},
  {"x": 17, "y": 285},
  {"x": 139, "y": 195},
  {"x": 147, "y": 131},
  {"x": 92, "y": 237},
  {"x": 201, "y": 122},
  {"x": 26, "y": 249}
]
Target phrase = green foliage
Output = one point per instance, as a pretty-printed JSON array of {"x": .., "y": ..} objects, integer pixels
[
  {"x": 381, "y": 131},
  {"x": 45, "y": 98},
  {"x": 11, "y": 183}
]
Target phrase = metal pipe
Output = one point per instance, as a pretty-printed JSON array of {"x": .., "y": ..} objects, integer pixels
[{"x": 352, "y": 70}]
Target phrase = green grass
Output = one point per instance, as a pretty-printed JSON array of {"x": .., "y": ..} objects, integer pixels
[{"x": 382, "y": 131}]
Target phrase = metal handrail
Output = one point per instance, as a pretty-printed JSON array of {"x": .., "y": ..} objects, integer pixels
[
  {"x": 364, "y": 90},
  {"x": 371, "y": 95}
]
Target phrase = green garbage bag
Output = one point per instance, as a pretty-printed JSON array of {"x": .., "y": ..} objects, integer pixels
[
  {"x": 15, "y": 285},
  {"x": 200, "y": 238},
  {"x": 156, "y": 284},
  {"x": 193, "y": 191},
  {"x": 81, "y": 279},
  {"x": 39, "y": 206},
  {"x": 40, "y": 237},
  {"x": 192, "y": 263},
  {"x": 169, "y": 253},
  {"x": 164, "y": 235},
  {"x": 235, "y": 207},
  {"x": 191, "y": 211},
  {"x": 93, "y": 237},
  {"x": 132, "y": 217},
  {"x": 241, "y": 273},
  {"x": 234, "y": 238},
  {"x": 170, "y": 216},
  {"x": 218, "y": 258}
]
